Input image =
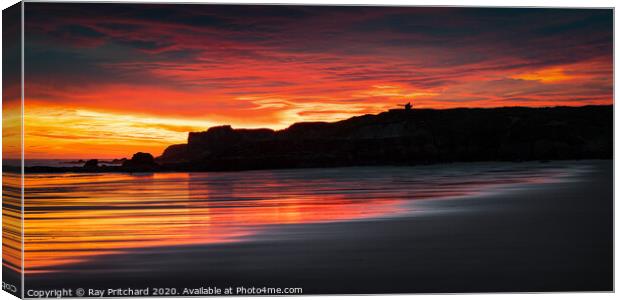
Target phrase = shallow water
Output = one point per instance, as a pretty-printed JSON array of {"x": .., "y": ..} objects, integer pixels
[{"x": 72, "y": 218}]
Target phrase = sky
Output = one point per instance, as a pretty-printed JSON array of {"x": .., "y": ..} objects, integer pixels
[{"x": 108, "y": 80}]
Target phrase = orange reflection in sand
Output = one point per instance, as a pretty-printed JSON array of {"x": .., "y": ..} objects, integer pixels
[
  {"x": 73, "y": 217},
  {"x": 11, "y": 221}
]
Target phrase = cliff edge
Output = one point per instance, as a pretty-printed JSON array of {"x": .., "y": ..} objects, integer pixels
[{"x": 402, "y": 137}]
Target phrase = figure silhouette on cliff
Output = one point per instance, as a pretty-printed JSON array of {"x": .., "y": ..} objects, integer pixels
[{"x": 407, "y": 106}]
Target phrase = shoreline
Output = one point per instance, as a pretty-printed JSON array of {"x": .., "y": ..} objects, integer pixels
[
  {"x": 172, "y": 169},
  {"x": 554, "y": 236}
]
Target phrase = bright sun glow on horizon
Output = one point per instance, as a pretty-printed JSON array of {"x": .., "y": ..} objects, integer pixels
[{"x": 83, "y": 133}]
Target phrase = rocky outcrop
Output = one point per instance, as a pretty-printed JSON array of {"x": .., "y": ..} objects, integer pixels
[
  {"x": 140, "y": 162},
  {"x": 174, "y": 154},
  {"x": 217, "y": 140},
  {"x": 405, "y": 137},
  {"x": 91, "y": 164}
]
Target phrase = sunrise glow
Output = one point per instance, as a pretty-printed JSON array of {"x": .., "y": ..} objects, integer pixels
[{"x": 134, "y": 80}]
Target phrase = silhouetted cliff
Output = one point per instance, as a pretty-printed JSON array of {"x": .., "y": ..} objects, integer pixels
[{"x": 404, "y": 137}]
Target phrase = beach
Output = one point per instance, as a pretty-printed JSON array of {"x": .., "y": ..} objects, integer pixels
[
  {"x": 199, "y": 149},
  {"x": 547, "y": 235}
]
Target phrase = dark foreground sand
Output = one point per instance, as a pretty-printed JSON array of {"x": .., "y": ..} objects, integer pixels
[{"x": 546, "y": 237}]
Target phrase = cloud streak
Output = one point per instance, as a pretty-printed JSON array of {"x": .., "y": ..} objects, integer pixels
[{"x": 269, "y": 66}]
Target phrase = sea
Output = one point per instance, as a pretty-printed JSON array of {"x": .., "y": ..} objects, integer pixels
[{"x": 76, "y": 217}]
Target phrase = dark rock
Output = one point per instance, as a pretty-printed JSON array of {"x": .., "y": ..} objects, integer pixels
[
  {"x": 217, "y": 140},
  {"x": 400, "y": 137},
  {"x": 91, "y": 164},
  {"x": 174, "y": 154},
  {"x": 141, "y": 162}
]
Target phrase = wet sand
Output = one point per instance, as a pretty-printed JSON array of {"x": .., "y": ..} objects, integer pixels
[{"x": 553, "y": 236}]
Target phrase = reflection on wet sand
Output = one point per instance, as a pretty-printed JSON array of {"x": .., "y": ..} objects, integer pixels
[
  {"x": 11, "y": 221},
  {"x": 75, "y": 217}
]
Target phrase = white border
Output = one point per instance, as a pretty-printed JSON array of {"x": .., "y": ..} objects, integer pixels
[{"x": 497, "y": 3}]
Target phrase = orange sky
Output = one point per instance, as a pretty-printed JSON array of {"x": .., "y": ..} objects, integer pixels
[{"x": 108, "y": 80}]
